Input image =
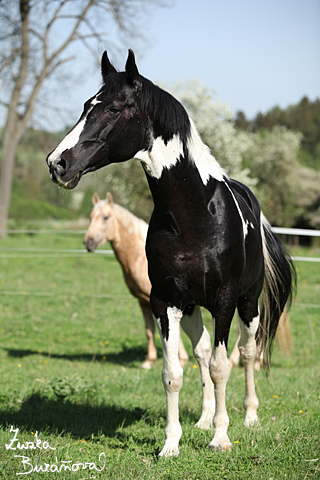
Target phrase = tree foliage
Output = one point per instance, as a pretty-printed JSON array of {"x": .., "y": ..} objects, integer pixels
[
  {"x": 273, "y": 161},
  {"x": 303, "y": 117},
  {"x": 267, "y": 160},
  {"x": 37, "y": 40},
  {"x": 214, "y": 121}
]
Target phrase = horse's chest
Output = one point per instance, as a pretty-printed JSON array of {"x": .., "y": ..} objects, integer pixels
[{"x": 184, "y": 267}]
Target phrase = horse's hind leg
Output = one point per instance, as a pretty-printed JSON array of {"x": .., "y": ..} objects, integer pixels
[
  {"x": 150, "y": 328},
  {"x": 235, "y": 354},
  {"x": 249, "y": 323},
  {"x": 200, "y": 338},
  {"x": 183, "y": 356}
]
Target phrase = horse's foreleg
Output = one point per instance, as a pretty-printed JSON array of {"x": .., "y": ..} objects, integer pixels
[
  {"x": 219, "y": 365},
  {"x": 150, "y": 328},
  {"x": 201, "y": 344},
  {"x": 172, "y": 375},
  {"x": 220, "y": 369},
  {"x": 247, "y": 347}
]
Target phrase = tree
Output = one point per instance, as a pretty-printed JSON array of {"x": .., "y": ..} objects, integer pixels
[
  {"x": 214, "y": 121},
  {"x": 32, "y": 49},
  {"x": 272, "y": 159}
]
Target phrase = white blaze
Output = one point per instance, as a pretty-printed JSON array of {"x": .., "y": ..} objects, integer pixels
[{"x": 73, "y": 137}]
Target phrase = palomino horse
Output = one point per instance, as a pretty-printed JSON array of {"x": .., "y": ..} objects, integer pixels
[
  {"x": 207, "y": 244},
  {"x": 127, "y": 235}
]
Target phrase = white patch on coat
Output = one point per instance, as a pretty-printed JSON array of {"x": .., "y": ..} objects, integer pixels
[
  {"x": 161, "y": 155},
  {"x": 244, "y": 223},
  {"x": 165, "y": 156},
  {"x": 206, "y": 164}
]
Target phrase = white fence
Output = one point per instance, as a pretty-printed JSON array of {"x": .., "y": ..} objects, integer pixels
[
  {"x": 44, "y": 252},
  {"x": 58, "y": 252}
]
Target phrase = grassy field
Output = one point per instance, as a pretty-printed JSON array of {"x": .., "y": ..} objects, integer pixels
[{"x": 72, "y": 341}]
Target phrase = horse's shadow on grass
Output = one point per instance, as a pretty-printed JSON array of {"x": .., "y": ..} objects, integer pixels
[
  {"x": 127, "y": 356},
  {"x": 84, "y": 421}
]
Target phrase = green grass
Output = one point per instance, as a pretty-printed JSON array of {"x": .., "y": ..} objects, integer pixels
[{"x": 70, "y": 369}]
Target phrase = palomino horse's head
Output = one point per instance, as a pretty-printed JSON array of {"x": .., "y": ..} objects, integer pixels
[
  {"x": 102, "y": 226},
  {"x": 110, "y": 130}
]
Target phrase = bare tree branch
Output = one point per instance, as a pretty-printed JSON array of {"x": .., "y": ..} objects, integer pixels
[{"x": 30, "y": 53}]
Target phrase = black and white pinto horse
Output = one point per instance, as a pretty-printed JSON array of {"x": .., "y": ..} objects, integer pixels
[{"x": 207, "y": 245}]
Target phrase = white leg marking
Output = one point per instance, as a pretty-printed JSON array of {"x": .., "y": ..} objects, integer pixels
[
  {"x": 244, "y": 223},
  {"x": 247, "y": 347},
  {"x": 172, "y": 375},
  {"x": 201, "y": 344},
  {"x": 220, "y": 370}
]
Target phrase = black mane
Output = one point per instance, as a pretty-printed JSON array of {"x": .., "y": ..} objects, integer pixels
[{"x": 167, "y": 114}]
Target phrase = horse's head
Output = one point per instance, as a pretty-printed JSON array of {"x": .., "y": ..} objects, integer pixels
[
  {"x": 110, "y": 129},
  {"x": 102, "y": 226}
]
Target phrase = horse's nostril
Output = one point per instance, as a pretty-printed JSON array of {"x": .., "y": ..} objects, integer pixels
[{"x": 62, "y": 164}]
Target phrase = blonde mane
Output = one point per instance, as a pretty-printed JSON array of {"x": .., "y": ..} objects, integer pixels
[{"x": 133, "y": 224}]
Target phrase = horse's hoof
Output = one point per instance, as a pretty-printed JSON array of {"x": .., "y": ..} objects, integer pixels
[
  {"x": 220, "y": 443},
  {"x": 147, "y": 364},
  {"x": 220, "y": 448},
  {"x": 251, "y": 421},
  {"x": 170, "y": 449},
  {"x": 204, "y": 424}
]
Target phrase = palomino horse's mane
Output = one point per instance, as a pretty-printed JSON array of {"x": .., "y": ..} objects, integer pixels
[{"x": 133, "y": 224}]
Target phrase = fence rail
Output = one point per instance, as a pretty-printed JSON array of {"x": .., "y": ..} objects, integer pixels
[
  {"x": 14, "y": 252},
  {"x": 45, "y": 252},
  {"x": 303, "y": 232}
]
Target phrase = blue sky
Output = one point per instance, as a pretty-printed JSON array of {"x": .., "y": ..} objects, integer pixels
[{"x": 255, "y": 53}]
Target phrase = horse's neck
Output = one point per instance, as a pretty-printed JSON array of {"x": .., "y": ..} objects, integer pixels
[
  {"x": 162, "y": 156},
  {"x": 124, "y": 247},
  {"x": 176, "y": 190}
]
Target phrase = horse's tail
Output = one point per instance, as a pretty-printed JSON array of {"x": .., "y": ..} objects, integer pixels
[{"x": 278, "y": 288}]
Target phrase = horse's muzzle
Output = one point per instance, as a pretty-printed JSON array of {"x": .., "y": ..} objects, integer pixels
[
  {"x": 90, "y": 244},
  {"x": 57, "y": 171}
]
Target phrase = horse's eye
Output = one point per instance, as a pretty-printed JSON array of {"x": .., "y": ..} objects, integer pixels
[
  {"x": 105, "y": 218},
  {"x": 114, "y": 110}
]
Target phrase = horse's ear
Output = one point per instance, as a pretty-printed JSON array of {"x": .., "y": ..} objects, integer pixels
[
  {"x": 95, "y": 198},
  {"x": 132, "y": 72},
  {"x": 106, "y": 66},
  {"x": 109, "y": 199}
]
